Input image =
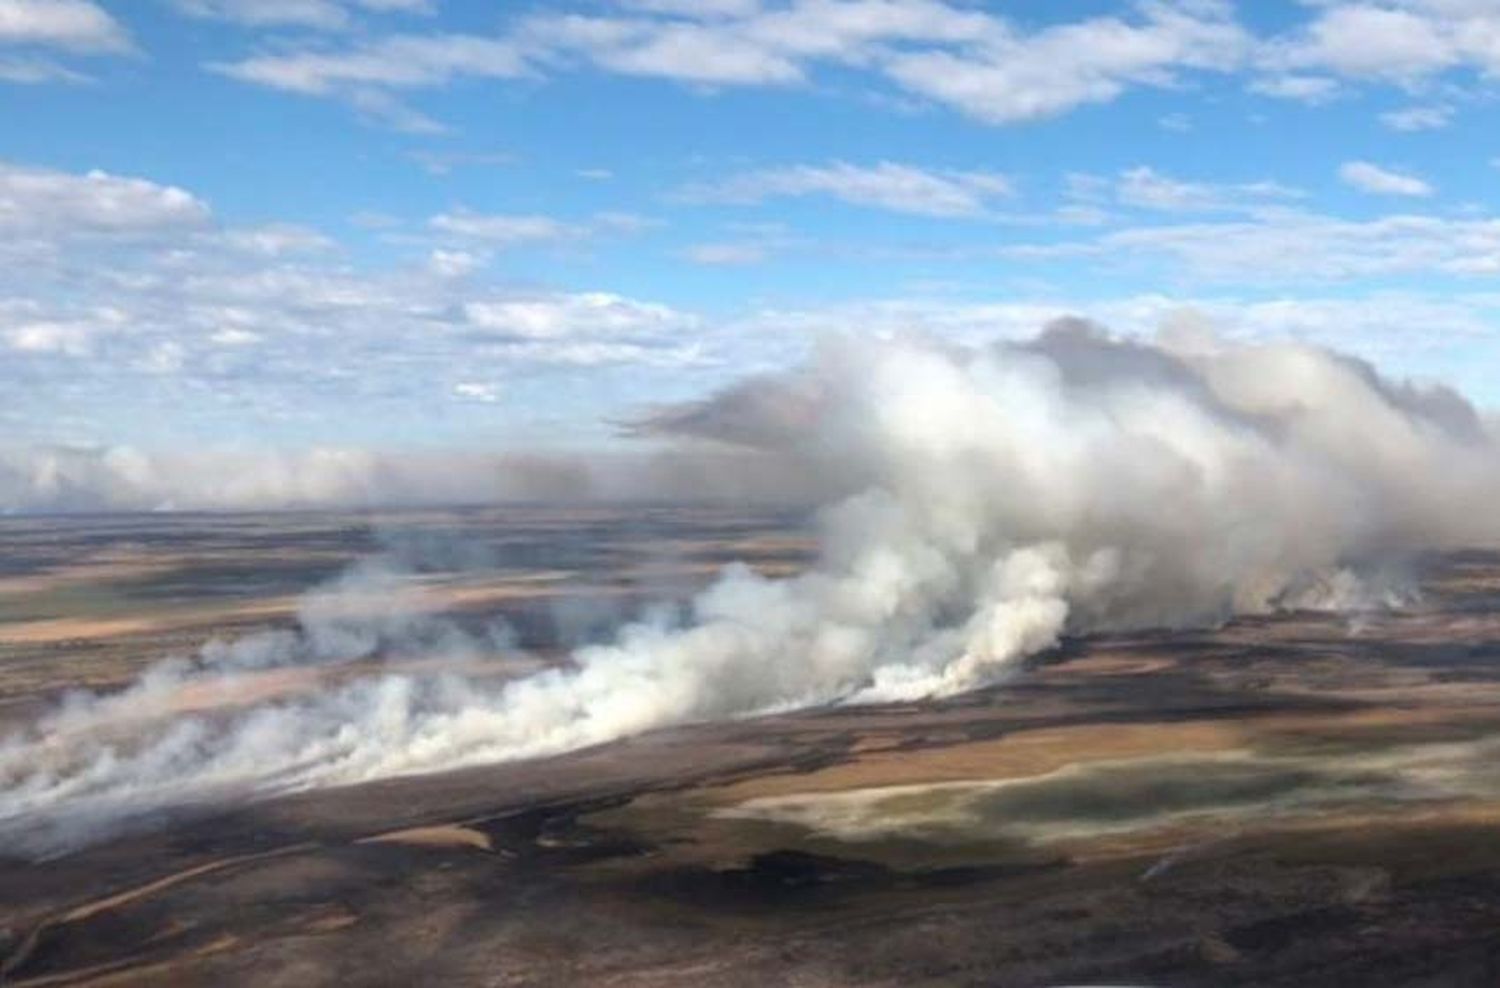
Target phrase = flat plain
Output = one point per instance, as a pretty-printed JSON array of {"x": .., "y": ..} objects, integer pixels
[{"x": 1292, "y": 799}]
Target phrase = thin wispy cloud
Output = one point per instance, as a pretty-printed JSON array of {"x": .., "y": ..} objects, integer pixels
[
  {"x": 885, "y": 185},
  {"x": 1377, "y": 180}
]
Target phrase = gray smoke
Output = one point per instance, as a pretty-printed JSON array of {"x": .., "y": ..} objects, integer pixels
[
  {"x": 983, "y": 503},
  {"x": 69, "y": 479}
]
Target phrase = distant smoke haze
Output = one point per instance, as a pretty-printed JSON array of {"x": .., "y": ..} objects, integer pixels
[
  {"x": 978, "y": 504},
  {"x": 60, "y": 479}
]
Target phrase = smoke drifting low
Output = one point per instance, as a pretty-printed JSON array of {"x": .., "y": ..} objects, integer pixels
[
  {"x": 72, "y": 479},
  {"x": 986, "y": 502}
]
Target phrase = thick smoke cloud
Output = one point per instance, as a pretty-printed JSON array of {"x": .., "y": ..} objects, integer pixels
[{"x": 983, "y": 504}]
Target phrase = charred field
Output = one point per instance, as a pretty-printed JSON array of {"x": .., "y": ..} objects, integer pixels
[{"x": 1283, "y": 800}]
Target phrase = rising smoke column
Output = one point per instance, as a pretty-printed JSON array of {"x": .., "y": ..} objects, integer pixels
[{"x": 989, "y": 501}]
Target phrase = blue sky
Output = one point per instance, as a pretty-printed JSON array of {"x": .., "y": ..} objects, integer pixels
[{"x": 446, "y": 223}]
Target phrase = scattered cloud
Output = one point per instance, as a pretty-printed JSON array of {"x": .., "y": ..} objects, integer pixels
[
  {"x": 313, "y": 14},
  {"x": 446, "y": 162},
  {"x": 367, "y": 76},
  {"x": 886, "y": 185},
  {"x": 37, "y": 201},
  {"x": 1380, "y": 181},
  {"x": 1009, "y": 77},
  {"x": 1177, "y": 123},
  {"x": 587, "y": 328},
  {"x": 1415, "y": 118},
  {"x": 36, "y": 34},
  {"x": 1289, "y": 246},
  {"x": 455, "y": 263},
  {"x": 396, "y": 62},
  {"x": 476, "y": 391},
  {"x": 505, "y": 230},
  {"x": 1402, "y": 41},
  {"x": 1313, "y": 90},
  {"x": 725, "y": 254},
  {"x": 278, "y": 239},
  {"x": 1143, "y": 187},
  {"x": 34, "y": 70},
  {"x": 79, "y": 26},
  {"x": 948, "y": 53},
  {"x": 117, "y": 291},
  {"x": 951, "y": 54}
]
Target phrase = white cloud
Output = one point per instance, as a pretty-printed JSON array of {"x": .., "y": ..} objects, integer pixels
[
  {"x": 1145, "y": 188},
  {"x": 367, "y": 76},
  {"x": 33, "y": 70},
  {"x": 1012, "y": 77},
  {"x": 120, "y": 292},
  {"x": 589, "y": 315},
  {"x": 278, "y": 239},
  {"x": 398, "y": 62},
  {"x": 454, "y": 263},
  {"x": 1404, "y": 41},
  {"x": 504, "y": 230},
  {"x": 74, "y": 339},
  {"x": 234, "y": 337},
  {"x": 1376, "y": 180},
  {"x": 477, "y": 391},
  {"x": 316, "y": 14},
  {"x": 1379, "y": 321},
  {"x": 1365, "y": 39},
  {"x": 1310, "y": 89},
  {"x": 886, "y": 185},
  {"x": 39, "y": 200},
  {"x": 1414, "y": 118},
  {"x": 964, "y": 56},
  {"x": 725, "y": 254},
  {"x": 1289, "y": 246},
  {"x": 71, "y": 25},
  {"x": 696, "y": 8},
  {"x": 970, "y": 60},
  {"x": 445, "y": 162}
]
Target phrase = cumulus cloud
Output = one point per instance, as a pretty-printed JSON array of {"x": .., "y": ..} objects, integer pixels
[
  {"x": 1405, "y": 41},
  {"x": 1376, "y": 180},
  {"x": 72, "y": 25},
  {"x": 124, "y": 292},
  {"x": 984, "y": 503},
  {"x": 120, "y": 291},
  {"x": 45, "y": 201},
  {"x": 587, "y": 329}
]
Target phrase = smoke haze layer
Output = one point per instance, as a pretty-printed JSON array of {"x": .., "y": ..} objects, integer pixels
[{"x": 984, "y": 502}]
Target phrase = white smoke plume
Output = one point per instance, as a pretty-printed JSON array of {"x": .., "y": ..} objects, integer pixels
[{"x": 989, "y": 502}]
